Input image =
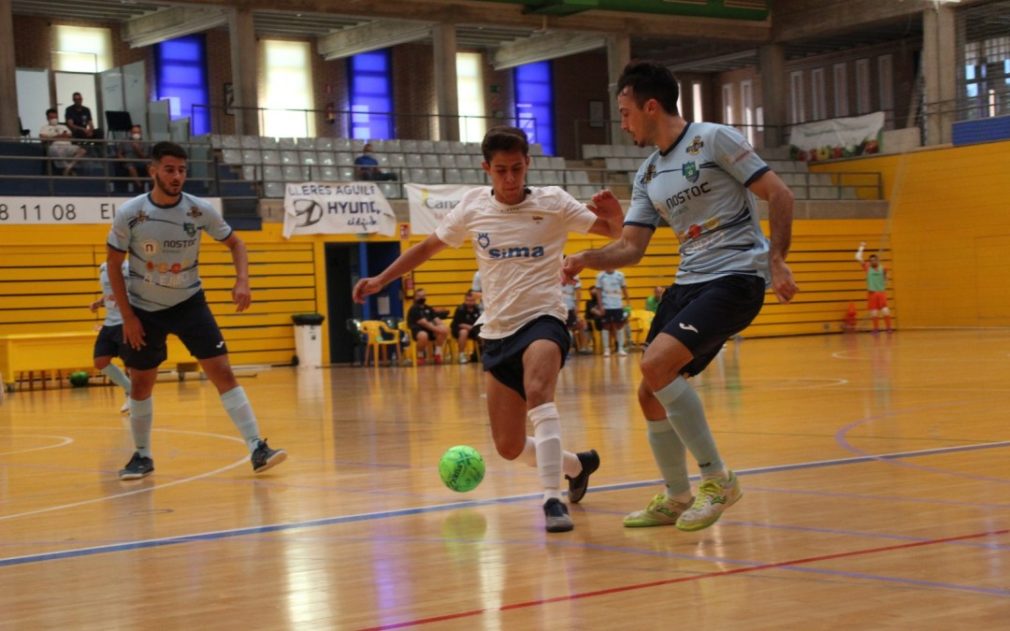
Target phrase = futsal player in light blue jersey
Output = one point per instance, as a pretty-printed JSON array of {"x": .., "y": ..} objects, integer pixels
[
  {"x": 109, "y": 342},
  {"x": 159, "y": 234},
  {"x": 702, "y": 181}
]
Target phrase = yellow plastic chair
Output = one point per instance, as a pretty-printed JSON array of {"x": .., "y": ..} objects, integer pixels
[
  {"x": 640, "y": 321},
  {"x": 376, "y": 345}
]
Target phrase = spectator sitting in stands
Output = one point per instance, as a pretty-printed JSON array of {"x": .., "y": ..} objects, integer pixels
[
  {"x": 426, "y": 325},
  {"x": 464, "y": 324},
  {"x": 79, "y": 120},
  {"x": 366, "y": 167},
  {"x": 137, "y": 152},
  {"x": 594, "y": 310},
  {"x": 66, "y": 153}
]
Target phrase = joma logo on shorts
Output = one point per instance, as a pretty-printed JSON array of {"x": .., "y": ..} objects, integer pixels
[{"x": 516, "y": 252}]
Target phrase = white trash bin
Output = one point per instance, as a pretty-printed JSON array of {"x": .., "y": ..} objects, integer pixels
[{"x": 308, "y": 339}]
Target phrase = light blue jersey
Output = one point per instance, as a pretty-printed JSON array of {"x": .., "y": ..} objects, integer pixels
[
  {"x": 163, "y": 246},
  {"x": 568, "y": 295},
  {"x": 612, "y": 286},
  {"x": 112, "y": 315},
  {"x": 699, "y": 188}
]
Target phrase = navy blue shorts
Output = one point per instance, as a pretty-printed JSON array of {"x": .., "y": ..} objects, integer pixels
[
  {"x": 704, "y": 315},
  {"x": 613, "y": 316},
  {"x": 190, "y": 320},
  {"x": 109, "y": 342},
  {"x": 504, "y": 358}
]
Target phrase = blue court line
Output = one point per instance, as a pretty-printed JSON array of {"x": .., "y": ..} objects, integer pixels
[{"x": 402, "y": 512}]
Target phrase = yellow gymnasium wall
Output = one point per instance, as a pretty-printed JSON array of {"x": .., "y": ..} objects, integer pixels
[
  {"x": 949, "y": 232},
  {"x": 49, "y": 276}
]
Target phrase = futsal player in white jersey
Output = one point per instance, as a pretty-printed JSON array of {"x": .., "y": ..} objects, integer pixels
[
  {"x": 159, "y": 234},
  {"x": 702, "y": 181},
  {"x": 613, "y": 292},
  {"x": 110, "y": 337},
  {"x": 518, "y": 237}
]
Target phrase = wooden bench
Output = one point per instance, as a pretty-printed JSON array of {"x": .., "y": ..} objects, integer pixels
[{"x": 29, "y": 357}]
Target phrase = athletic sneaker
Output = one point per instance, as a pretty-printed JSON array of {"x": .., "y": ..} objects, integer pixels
[
  {"x": 126, "y": 407},
  {"x": 661, "y": 511},
  {"x": 578, "y": 485},
  {"x": 714, "y": 496},
  {"x": 138, "y": 467},
  {"x": 463, "y": 359},
  {"x": 264, "y": 458},
  {"x": 622, "y": 353},
  {"x": 556, "y": 516},
  {"x": 606, "y": 353}
]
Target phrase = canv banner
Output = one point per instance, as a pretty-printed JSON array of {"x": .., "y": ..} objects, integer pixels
[
  {"x": 430, "y": 203},
  {"x": 336, "y": 208},
  {"x": 836, "y": 138}
]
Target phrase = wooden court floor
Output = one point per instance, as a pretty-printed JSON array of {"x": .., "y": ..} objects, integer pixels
[{"x": 874, "y": 471}]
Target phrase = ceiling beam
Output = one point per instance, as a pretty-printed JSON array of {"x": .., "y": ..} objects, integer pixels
[
  {"x": 372, "y": 36},
  {"x": 511, "y": 15},
  {"x": 797, "y": 19},
  {"x": 544, "y": 46},
  {"x": 153, "y": 28}
]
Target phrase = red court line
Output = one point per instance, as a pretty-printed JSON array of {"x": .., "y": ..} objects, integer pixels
[{"x": 696, "y": 577}]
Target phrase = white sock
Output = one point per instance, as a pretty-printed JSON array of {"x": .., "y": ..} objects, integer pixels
[
  {"x": 570, "y": 464},
  {"x": 236, "y": 403},
  {"x": 141, "y": 419},
  {"x": 547, "y": 436},
  {"x": 605, "y": 335},
  {"x": 117, "y": 377}
]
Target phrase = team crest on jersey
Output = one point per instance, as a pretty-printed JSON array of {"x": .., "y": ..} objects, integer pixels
[
  {"x": 690, "y": 171},
  {"x": 650, "y": 173},
  {"x": 140, "y": 218},
  {"x": 189, "y": 228},
  {"x": 483, "y": 240},
  {"x": 695, "y": 147},
  {"x": 194, "y": 212},
  {"x": 149, "y": 247}
]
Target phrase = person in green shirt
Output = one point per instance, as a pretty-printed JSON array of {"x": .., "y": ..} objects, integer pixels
[
  {"x": 652, "y": 302},
  {"x": 876, "y": 287}
]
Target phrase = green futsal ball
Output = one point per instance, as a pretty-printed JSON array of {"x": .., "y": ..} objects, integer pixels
[
  {"x": 461, "y": 468},
  {"x": 79, "y": 378}
]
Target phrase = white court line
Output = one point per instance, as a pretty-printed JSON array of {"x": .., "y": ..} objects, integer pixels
[
  {"x": 66, "y": 440},
  {"x": 149, "y": 489}
]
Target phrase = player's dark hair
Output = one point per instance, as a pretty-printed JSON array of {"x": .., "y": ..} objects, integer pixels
[
  {"x": 170, "y": 149},
  {"x": 504, "y": 138},
  {"x": 650, "y": 80}
]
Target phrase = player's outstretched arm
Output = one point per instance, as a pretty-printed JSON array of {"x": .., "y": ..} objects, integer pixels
[
  {"x": 406, "y": 262},
  {"x": 241, "y": 294},
  {"x": 625, "y": 251},
  {"x": 772, "y": 189},
  {"x": 133, "y": 330},
  {"x": 859, "y": 252},
  {"x": 609, "y": 215}
]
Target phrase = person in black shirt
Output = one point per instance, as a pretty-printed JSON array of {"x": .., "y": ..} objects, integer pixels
[
  {"x": 464, "y": 324},
  {"x": 426, "y": 325},
  {"x": 78, "y": 119}
]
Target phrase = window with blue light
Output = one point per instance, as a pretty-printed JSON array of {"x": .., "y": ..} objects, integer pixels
[
  {"x": 535, "y": 103},
  {"x": 181, "y": 77},
  {"x": 371, "y": 94}
]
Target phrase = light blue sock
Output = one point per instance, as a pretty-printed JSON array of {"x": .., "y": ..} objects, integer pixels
[
  {"x": 117, "y": 376},
  {"x": 236, "y": 403},
  {"x": 670, "y": 455},
  {"x": 141, "y": 419},
  {"x": 684, "y": 409}
]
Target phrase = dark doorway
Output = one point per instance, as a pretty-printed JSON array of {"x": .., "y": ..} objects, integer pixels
[{"x": 341, "y": 271}]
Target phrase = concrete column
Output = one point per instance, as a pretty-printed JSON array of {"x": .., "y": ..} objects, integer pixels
[
  {"x": 774, "y": 88},
  {"x": 618, "y": 56},
  {"x": 8, "y": 77},
  {"x": 244, "y": 56},
  {"x": 446, "y": 93},
  {"x": 939, "y": 56}
]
